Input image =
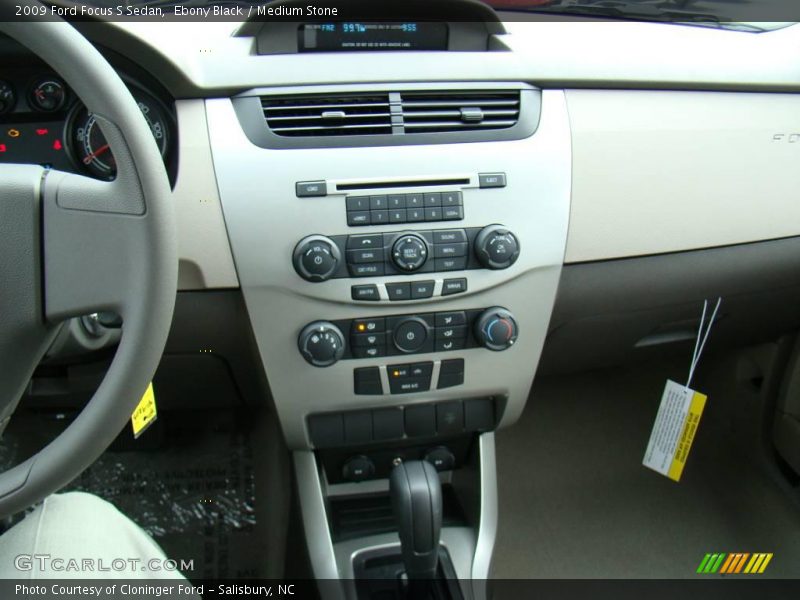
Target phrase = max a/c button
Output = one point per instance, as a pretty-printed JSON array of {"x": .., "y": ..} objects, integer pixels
[{"x": 454, "y": 286}]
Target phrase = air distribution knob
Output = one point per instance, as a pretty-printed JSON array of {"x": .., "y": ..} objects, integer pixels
[
  {"x": 496, "y": 247},
  {"x": 496, "y": 329},
  {"x": 321, "y": 343},
  {"x": 316, "y": 258}
]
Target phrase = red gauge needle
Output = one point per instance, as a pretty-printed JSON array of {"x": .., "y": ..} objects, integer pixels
[{"x": 90, "y": 157}]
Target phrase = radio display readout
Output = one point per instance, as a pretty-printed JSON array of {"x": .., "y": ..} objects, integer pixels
[{"x": 344, "y": 36}]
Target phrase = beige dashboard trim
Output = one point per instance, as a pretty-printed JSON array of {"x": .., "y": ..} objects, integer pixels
[
  {"x": 666, "y": 171},
  {"x": 203, "y": 248}
]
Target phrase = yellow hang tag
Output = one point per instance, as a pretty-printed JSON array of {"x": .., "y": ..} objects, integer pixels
[
  {"x": 674, "y": 430},
  {"x": 145, "y": 412}
]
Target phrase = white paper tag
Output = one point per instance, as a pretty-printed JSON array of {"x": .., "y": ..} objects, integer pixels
[{"x": 674, "y": 430}]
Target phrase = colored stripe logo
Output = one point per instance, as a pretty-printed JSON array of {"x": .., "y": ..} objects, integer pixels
[{"x": 734, "y": 563}]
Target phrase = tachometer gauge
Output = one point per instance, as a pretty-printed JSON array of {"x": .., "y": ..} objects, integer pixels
[{"x": 89, "y": 145}]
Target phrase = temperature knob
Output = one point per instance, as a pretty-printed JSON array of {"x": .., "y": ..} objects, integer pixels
[
  {"x": 321, "y": 343},
  {"x": 496, "y": 329},
  {"x": 316, "y": 258},
  {"x": 496, "y": 247}
]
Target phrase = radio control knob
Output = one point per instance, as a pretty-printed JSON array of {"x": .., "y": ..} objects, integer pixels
[
  {"x": 496, "y": 329},
  {"x": 321, "y": 343},
  {"x": 496, "y": 247},
  {"x": 316, "y": 258},
  {"x": 409, "y": 252}
]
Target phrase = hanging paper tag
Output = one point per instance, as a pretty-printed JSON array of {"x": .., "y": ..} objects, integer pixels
[
  {"x": 674, "y": 430},
  {"x": 679, "y": 414}
]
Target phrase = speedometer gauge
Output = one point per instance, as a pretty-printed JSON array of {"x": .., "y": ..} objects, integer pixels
[{"x": 89, "y": 146}]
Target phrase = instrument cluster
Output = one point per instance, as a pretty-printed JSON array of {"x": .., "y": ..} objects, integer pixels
[{"x": 43, "y": 122}]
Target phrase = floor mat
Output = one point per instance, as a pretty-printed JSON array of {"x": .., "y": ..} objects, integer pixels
[
  {"x": 575, "y": 501},
  {"x": 193, "y": 490}
]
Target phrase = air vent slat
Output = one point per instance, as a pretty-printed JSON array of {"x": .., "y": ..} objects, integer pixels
[
  {"x": 300, "y": 107},
  {"x": 321, "y": 117},
  {"x": 447, "y": 125},
  {"x": 458, "y": 102},
  {"x": 409, "y": 113}
]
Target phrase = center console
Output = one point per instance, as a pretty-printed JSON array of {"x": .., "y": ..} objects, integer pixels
[{"x": 399, "y": 280}]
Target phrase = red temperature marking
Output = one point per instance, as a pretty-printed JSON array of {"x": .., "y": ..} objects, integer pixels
[
  {"x": 42, "y": 131},
  {"x": 2, "y": 147},
  {"x": 57, "y": 145}
]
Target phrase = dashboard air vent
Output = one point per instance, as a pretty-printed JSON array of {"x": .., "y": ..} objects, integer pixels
[
  {"x": 328, "y": 115},
  {"x": 428, "y": 112}
]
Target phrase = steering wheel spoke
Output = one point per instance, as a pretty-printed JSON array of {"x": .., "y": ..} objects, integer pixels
[{"x": 95, "y": 238}]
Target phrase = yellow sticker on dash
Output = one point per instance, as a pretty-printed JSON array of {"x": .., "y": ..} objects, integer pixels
[{"x": 145, "y": 412}]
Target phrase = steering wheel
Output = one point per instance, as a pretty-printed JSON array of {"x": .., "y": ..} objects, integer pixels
[{"x": 70, "y": 246}]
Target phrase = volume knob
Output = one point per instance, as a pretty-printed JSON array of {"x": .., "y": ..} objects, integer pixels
[{"x": 316, "y": 258}]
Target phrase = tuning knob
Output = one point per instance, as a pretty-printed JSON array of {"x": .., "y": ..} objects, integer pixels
[
  {"x": 316, "y": 258},
  {"x": 496, "y": 329},
  {"x": 321, "y": 343},
  {"x": 496, "y": 247}
]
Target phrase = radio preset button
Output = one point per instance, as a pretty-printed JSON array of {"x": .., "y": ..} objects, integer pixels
[
  {"x": 357, "y": 202},
  {"x": 397, "y": 201},
  {"x": 414, "y": 215},
  {"x": 414, "y": 201}
]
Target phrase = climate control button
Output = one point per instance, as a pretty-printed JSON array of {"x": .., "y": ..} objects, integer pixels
[
  {"x": 316, "y": 258},
  {"x": 410, "y": 334},
  {"x": 496, "y": 329},
  {"x": 409, "y": 252}
]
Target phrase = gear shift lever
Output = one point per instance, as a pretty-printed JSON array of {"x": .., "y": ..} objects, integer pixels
[{"x": 417, "y": 503}]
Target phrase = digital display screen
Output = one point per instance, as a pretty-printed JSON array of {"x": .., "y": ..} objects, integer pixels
[
  {"x": 34, "y": 143},
  {"x": 338, "y": 37}
]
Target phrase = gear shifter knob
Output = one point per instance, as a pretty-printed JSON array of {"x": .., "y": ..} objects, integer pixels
[{"x": 417, "y": 503}]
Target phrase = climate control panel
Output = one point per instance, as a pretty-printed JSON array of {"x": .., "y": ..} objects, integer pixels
[{"x": 323, "y": 343}]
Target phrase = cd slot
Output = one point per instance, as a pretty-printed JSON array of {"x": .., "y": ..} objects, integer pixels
[{"x": 372, "y": 185}]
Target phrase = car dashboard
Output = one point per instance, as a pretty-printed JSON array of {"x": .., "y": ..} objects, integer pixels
[{"x": 416, "y": 234}]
